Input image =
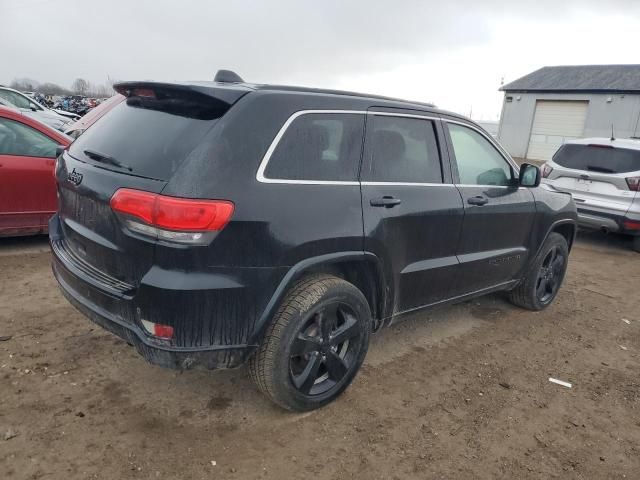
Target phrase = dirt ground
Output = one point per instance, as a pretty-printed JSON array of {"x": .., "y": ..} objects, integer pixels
[{"x": 461, "y": 392}]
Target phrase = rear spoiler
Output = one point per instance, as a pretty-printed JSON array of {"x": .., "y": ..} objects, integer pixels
[
  {"x": 197, "y": 100},
  {"x": 228, "y": 94}
]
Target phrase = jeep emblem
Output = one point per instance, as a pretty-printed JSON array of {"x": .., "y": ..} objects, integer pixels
[{"x": 75, "y": 177}]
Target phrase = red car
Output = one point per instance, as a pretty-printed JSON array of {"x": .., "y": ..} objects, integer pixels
[{"x": 27, "y": 183}]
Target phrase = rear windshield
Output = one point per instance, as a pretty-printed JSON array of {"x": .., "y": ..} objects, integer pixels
[
  {"x": 143, "y": 138},
  {"x": 598, "y": 159}
]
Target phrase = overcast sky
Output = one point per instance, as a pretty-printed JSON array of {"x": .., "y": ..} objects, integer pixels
[{"x": 453, "y": 53}]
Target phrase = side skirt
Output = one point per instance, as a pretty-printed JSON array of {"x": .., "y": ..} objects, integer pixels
[{"x": 450, "y": 301}]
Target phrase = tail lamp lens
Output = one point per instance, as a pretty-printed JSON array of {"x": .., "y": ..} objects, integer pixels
[
  {"x": 158, "y": 330},
  {"x": 182, "y": 220},
  {"x": 634, "y": 183},
  {"x": 546, "y": 170}
]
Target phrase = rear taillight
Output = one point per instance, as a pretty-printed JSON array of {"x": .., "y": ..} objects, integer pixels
[
  {"x": 182, "y": 220},
  {"x": 546, "y": 170},
  {"x": 634, "y": 183},
  {"x": 631, "y": 225}
]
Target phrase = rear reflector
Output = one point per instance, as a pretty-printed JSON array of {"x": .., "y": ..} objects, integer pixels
[
  {"x": 634, "y": 183},
  {"x": 171, "y": 218},
  {"x": 631, "y": 225},
  {"x": 158, "y": 330},
  {"x": 546, "y": 170}
]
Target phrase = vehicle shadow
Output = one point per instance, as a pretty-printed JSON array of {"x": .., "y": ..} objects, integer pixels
[
  {"x": 19, "y": 245},
  {"x": 594, "y": 239}
]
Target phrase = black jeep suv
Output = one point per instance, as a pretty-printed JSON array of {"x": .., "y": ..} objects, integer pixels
[{"x": 221, "y": 222}]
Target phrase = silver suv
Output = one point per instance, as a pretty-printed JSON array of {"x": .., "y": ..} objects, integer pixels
[
  {"x": 31, "y": 108},
  {"x": 603, "y": 175}
]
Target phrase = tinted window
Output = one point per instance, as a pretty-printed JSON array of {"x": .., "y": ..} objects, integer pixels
[
  {"x": 15, "y": 99},
  {"x": 19, "y": 139},
  {"x": 319, "y": 146},
  {"x": 598, "y": 159},
  {"x": 152, "y": 142},
  {"x": 403, "y": 150},
  {"x": 479, "y": 163}
]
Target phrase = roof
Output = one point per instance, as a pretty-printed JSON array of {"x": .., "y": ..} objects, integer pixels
[
  {"x": 629, "y": 143},
  {"x": 293, "y": 88},
  {"x": 235, "y": 89},
  {"x": 579, "y": 78}
]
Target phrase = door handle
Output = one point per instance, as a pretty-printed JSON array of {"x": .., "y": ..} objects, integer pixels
[
  {"x": 478, "y": 200},
  {"x": 386, "y": 201}
]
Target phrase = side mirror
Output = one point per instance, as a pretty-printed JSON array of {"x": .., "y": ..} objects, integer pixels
[
  {"x": 33, "y": 107},
  {"x": 530, "y": 175}
]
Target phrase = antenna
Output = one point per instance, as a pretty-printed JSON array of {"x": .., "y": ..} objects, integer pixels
[
  {"x": 227, "y": 76},
  {"x": 613, "y": 137}
]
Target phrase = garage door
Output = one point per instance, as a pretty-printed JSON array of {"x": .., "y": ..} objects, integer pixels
[{"x": 554, "y": 123}]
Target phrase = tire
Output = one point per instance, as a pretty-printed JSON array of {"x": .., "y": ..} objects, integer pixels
[
  {"x": 315, "y": 344},
  {"x": 543, "y": 279},
  {"x": 636, "y": 244}
]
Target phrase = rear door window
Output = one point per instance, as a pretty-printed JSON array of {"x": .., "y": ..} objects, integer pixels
[
  {"x": 602, "y": 159},
  {"x": 319, "y": 147},
  {"x": 403, "y": 150},
  {"x": 144, "y": 138}
]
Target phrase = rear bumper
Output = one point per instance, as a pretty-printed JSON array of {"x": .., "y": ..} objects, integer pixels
[
  {"x": 611, "y": 222},
  {"x": 163, "y": 355},
  {"x": 213, "y": 313}
]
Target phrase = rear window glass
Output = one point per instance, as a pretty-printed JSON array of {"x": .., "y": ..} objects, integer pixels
[
  {"x": 150, "y": 142},
  {"x": 598, "y": 159},
  {"x": 319, "y": 146}
]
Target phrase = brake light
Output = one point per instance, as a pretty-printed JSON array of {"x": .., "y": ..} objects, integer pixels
[
  {"x": 598, "y": 145},
  {"x": 634, "y": 183},
  {"x": 143, "y": 92},
  {"x": 182, "y": 220},
  {"x": 546, "y": 170}
]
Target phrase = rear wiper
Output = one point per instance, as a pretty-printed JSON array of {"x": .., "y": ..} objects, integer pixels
[
  {"x": 599, "y": 169},
  {"x": 101, "y": 157}
]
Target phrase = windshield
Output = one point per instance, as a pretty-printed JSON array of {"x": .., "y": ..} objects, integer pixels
[
  {"x": 150, "y": 142},
  {"x": 598, "y": 159}
]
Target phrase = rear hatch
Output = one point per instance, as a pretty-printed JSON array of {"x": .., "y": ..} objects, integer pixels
[
  {"x": 138, "y": 145},
  {"x": 598, "y": 176}
]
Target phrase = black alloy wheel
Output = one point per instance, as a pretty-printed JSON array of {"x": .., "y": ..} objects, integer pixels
[
  {"x": 314, "y": 345},
  {"x": 324, "y": 349},
  {"x": 550, "y": 274},
  {"x": 544, "y": 276}
]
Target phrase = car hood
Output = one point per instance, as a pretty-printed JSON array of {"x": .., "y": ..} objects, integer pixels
[{"x": 49, "y": 118}]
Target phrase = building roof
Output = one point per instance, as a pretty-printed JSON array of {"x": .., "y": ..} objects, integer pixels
[{"x": 579, "y": 78}]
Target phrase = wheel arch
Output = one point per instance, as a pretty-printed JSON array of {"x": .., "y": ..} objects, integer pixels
[
  {"x": 565, "y": 227},
  {"x": 362, "y": 269}
]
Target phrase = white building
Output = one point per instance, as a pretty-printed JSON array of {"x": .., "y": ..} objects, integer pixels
[{"x": 542, "y": 110}]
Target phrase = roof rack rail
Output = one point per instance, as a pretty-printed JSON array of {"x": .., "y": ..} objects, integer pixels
[{"x": 227, "y": 76}]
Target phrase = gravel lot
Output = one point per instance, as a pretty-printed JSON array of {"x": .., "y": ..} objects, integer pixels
[{"x": 461, "y": 392}]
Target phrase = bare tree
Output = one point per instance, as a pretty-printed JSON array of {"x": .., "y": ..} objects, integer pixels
[
  {"x": 24, "y": 84},
  {"x": 52, "y": 89},
  {"x": 80, "y": 86}
]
